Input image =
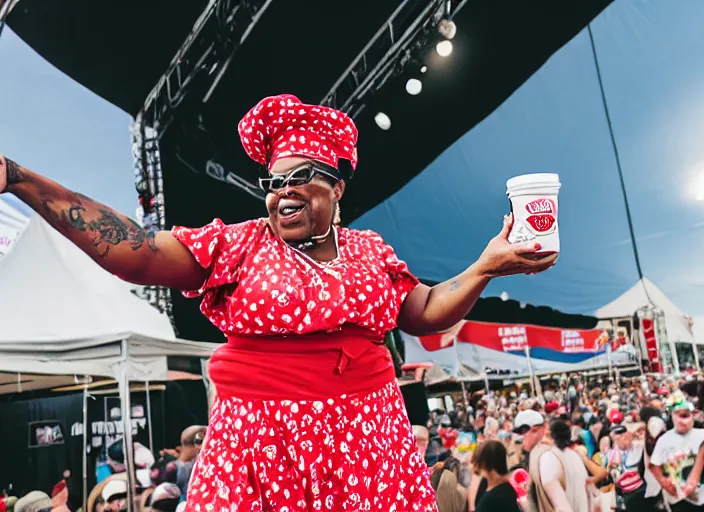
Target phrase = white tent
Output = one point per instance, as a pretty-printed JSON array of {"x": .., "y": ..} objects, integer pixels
[
  {"x": 62, "y": 314},
  {"x": 12, "y": 222},
  {"x": 636, "y": 298},
  {"x": 699, "y": 330},
  {"x": 643, "y": 294},
  {"x": 11, "y": 216}
]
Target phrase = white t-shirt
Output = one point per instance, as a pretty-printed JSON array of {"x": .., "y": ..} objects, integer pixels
[
  {"x": 575, "y": 477},
  {"x": 676, "y": 455}
]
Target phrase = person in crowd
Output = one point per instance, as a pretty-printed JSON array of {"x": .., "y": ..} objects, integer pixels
[
  {"x": 329, "y": 426},
  {"x": 624, "y": 462},
  {"x": 165, "y": 497},
  {"x": 422, "y": 437},
  {"x": 545, "y": 465},
  {"x": 191, "y": 443},
  {"x": 477, "y": 484},
  {"x": 490, "y": 460},
  {"x": 674, "y": 457},
  {"x": 655, "y": 427},
  {"x": 34, "y": 501},
  {"x": 451, "y": 496},
  {"x": 574, "y": 469},
  {"x": 491, "y": 428}
]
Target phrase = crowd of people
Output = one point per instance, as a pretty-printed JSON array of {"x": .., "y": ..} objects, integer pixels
[
  {"x": 577, "y": 447},
  {"x": 161, "y": 482}
]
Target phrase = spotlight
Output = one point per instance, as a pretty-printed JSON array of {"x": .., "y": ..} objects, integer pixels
[
  {"x": 424, "y": 69},
  {"x": 414, "y": 86},
  {"x": 444, "y": 48},
  {"x": 382, "y": 121},
  {"x": 447, "y": 28}
]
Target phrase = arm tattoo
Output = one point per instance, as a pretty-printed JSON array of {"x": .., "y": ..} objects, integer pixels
[
  {"x": 107, "y": 228},
  {"x": 454, "y": 285},
  {"x": 14, "y": 172}
]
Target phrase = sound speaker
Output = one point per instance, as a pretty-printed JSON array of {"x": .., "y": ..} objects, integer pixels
[{"x": 416, "y": 400}]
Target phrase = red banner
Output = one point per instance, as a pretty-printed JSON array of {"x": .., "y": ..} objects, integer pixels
[
  {"x": 651, "y": 345},
  {"x": 514, "y": 338}
]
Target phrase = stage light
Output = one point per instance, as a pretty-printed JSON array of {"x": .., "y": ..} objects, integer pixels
[
  {"x": 447, "y": 28},
  {"x": 444, "y": 48},
  {"x": 382, "y": 121},
  {"x": 414, "y": 86},
  {"x": 424, "y": 69}
]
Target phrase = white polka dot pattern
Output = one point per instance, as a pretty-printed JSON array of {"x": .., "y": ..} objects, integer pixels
[
  {"x": 282, "y": 126},
  {"x": 349, "y": 453},
  {"x": 259, "y": 285}
]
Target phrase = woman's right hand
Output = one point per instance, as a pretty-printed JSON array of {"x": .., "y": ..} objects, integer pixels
[{"x": 502, "y": 258}]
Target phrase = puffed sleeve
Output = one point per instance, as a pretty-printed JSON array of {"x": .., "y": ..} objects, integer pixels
[
  {"x": 403, "y": 280},
  {"x": 219, "y": 248}
]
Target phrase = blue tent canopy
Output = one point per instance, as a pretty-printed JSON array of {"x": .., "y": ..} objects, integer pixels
[{"x": 649, "y": 55}]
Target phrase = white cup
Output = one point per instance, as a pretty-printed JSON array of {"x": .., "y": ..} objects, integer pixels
[{"x": 534, "y": 205}]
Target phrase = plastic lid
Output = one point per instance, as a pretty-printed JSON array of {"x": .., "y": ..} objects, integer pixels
[{"x": 527, "y": 179}]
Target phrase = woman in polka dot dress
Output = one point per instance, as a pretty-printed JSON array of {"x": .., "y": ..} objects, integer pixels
[{"x": 308, "y": 416}]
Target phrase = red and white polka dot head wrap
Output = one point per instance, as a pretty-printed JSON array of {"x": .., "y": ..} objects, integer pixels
[{"x": 283, "y": 126}]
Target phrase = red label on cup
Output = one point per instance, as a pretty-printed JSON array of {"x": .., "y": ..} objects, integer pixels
[
  {"x": 542, "y": 214},
  {"x": 541, "y": 223},
  {"x": 541, "y": 206}
]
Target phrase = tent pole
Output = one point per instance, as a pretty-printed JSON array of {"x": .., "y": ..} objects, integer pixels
[
  {"x": 84, "y": 457},
  {"x": 464, "y": 395},
  {"x": 149, "y": 418},
  {"x": 127, "y": 443},
  {"x": 530, "y": 370},
  {"x": 608, "y": 358}
]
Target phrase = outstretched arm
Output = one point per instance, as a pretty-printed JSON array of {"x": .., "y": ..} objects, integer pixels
[
  {"x": 114, "y": 241},
  {"x": 429, "y": 310}
]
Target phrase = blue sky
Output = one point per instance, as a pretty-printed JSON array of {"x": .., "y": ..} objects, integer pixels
[
  {"x": 54, "y": 126},
  {"x": 653, "y": 75}
]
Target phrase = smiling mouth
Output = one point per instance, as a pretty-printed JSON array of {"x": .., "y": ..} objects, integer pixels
[{"x": 288, "y": 209}]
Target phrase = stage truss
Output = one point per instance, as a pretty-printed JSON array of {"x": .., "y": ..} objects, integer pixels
[{"x": 203, "y": 59}]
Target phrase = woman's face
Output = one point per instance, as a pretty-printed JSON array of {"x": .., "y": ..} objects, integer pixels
[{"x": 298, "y": 212}]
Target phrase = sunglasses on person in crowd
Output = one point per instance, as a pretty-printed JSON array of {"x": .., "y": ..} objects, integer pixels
[
  {"x": 196, "y": 440},
  {"x": 300, "y": 175}
]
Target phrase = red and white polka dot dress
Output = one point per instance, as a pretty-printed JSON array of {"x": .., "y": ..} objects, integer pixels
[{"x": 350, "y": 452}]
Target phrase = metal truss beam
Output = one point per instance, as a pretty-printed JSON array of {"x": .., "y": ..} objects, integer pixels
[
  {"x": 203, "y": 58},
  {"x": 388, "y": 53}
]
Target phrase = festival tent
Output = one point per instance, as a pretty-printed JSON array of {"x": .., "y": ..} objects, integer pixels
[
  {"x": 62, "y": 314},
  {"x": 12, "y": 221},
  {"x": 643, "y": 294},
  {"x": 698, "y": 328}
]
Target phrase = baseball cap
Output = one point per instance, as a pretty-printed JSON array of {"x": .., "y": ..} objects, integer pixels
[
  {"x": 527, "y": 419},
  {"x": 114, "y": 489},
  {"x": 551, "y": 407}
]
